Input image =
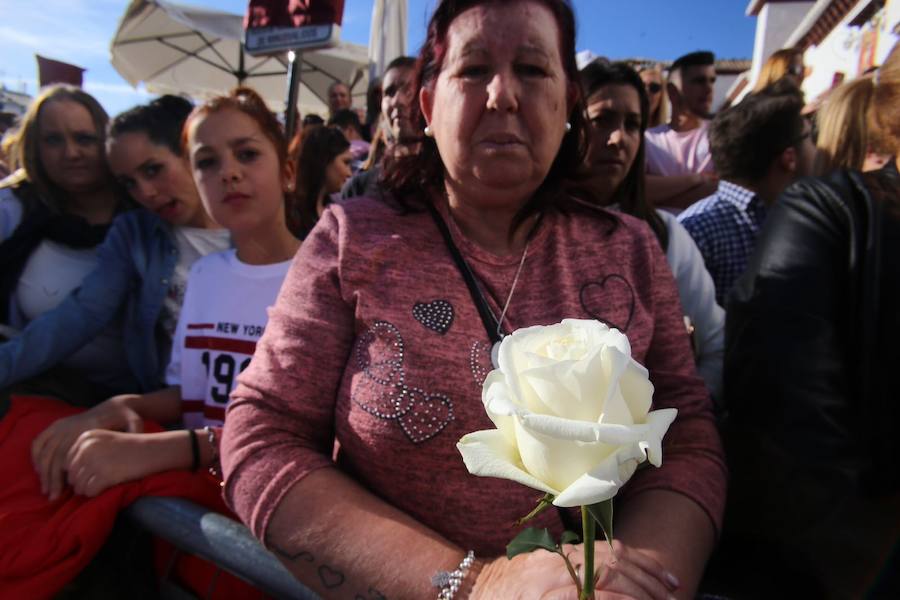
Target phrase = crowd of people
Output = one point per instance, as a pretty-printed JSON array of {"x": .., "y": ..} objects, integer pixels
[{"x": 310, "y": 320}]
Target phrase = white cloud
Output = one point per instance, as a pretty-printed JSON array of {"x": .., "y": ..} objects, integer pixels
[{"x": 97, "y": 87}]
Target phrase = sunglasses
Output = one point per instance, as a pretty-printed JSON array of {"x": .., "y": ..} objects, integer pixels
[{"x": 653, "y": 88}]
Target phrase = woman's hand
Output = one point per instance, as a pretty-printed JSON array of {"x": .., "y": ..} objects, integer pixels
[
  {"x": 100, "y": 459},
  {"x": 623, "y": 573},
  {"x": 538, "y": 574},
  {"x": 50, "y": 449},
  {"x": 626, "y": 571}
]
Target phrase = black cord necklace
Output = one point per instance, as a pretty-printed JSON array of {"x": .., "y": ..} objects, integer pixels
[{"x": 493, "y": 325}]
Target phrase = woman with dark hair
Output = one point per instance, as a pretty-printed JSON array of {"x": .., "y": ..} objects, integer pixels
[
  {"x": 617, "y": 107},
  {"x": 377, "y": 342},
  {"x": 323, "y": 166}
]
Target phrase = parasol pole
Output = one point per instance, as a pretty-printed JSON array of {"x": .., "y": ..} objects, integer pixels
[{"x": 293, "y": 85}]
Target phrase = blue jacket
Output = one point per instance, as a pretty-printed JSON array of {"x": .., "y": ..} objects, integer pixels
[{"x": 134, "y": 265}]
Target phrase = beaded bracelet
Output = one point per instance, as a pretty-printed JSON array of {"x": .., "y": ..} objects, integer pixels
[
  {"x": 214, "y": 444},
  {"x": 449, "y": 582}
]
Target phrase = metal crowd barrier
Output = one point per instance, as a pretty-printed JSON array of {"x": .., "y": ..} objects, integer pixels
[{"x": 220, "y": 540}]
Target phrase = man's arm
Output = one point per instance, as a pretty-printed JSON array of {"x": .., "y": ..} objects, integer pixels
[{"x": 679, "y": 191}]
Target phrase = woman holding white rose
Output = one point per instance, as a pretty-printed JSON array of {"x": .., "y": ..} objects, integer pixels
[{"x": 378, "y": 340}]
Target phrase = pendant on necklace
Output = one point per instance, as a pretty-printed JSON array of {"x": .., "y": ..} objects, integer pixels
[{"x": 495, "y": 354}]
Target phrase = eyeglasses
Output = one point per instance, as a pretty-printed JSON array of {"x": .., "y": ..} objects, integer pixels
[{"x": 653, "y": 88}]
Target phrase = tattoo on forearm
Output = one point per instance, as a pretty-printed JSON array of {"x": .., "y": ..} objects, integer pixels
[
  {"x": 293, "y": 556},
  {"x": 329, "y": 577}
]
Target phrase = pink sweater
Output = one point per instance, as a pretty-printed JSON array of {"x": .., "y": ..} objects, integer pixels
[{"x": 375, "y": 340}]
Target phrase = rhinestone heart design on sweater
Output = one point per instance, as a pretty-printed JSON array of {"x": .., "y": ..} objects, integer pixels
[
  {"x": 436, "y": 315},
  {"x": 420, "y": 414}
]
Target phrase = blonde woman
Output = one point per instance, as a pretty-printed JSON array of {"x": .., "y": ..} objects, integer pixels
[
  {"x": 846, "y": 140},
  {"x": 787, "y": 62},
  {"x": 55, "y": 210},
  {"x": 655, "y": 84}
]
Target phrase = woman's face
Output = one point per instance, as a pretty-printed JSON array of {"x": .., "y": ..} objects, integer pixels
[
  {"x": 237, "y": 172},
  {"x": 69, "y": 148},
  {"x": 653, "y": 84},
  {"x": 614, "y": 112},
  {"x": 157, "y": 178},
  {"x": 338, "y": 172},
  {"x": 498, "y": 108}
]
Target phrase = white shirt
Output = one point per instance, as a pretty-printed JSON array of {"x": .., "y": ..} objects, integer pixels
[
  {"x": 671, "y": 152},
  {"x": 51, "y": 273},
  {"x": 223, "y": 316},
  {"x": 698, "y": 300}
]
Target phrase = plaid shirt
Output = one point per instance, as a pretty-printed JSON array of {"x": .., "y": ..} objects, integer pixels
[{"x": 725, "y": 227}]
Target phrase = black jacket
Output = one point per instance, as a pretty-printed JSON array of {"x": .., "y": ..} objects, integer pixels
[{"x": 810, "y": 378}]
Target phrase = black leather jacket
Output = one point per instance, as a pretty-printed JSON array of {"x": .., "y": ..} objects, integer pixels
[{"x": 810, "y": 375}]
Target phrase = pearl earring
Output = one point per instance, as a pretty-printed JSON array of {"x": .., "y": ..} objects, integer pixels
[
  {"x": 428, "y": 131},
  {"x": 568, "y": 126}
]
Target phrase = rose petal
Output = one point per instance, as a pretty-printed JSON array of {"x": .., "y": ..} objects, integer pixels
[
  {"x": 604, "y": 481},
  {"x": 513, "y": 360},
  {"x": 499, "y": 405},
  {"x": 559, "y": 385},
  {"x": 599, "y": 334},
  {"x": 658, "y": 421},
  {"x": 487, "y": 454},
  {"x": 614, "y": 363},
  {"x": 557, "y": 460},
  {"x": 583, "y": 431},
  {"x": 637, "y": 391}
]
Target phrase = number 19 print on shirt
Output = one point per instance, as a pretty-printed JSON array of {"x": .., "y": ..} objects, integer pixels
[{"x": 223, "y": 316}]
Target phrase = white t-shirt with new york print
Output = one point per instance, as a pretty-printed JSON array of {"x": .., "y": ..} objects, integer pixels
[{"x": 223, "y": 315}]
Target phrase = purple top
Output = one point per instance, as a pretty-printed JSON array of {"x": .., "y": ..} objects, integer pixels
[{"x": 375, "y": 340}]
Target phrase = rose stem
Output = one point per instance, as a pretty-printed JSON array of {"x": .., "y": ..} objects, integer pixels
[{"x": 588, "y": 526}]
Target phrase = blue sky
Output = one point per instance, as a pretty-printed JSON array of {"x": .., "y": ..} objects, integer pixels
[{"x": 79, "y": 32}]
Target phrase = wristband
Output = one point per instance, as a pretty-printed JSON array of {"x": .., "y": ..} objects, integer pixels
[{"x": 195, "y": 451}]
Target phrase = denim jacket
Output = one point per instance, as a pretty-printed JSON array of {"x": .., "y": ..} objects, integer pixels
[{"x": 134, "y": 267}]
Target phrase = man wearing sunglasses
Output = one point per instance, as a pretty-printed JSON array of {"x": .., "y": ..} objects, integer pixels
[{"x": 679, "y": 165}]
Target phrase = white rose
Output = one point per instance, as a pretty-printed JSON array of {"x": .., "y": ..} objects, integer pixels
[{"x": 572, "y": 411}]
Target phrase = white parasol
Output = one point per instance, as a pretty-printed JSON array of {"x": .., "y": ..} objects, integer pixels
[
  {"x": 180, "y": 49},
  {"x": 387, "y": 36}
]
